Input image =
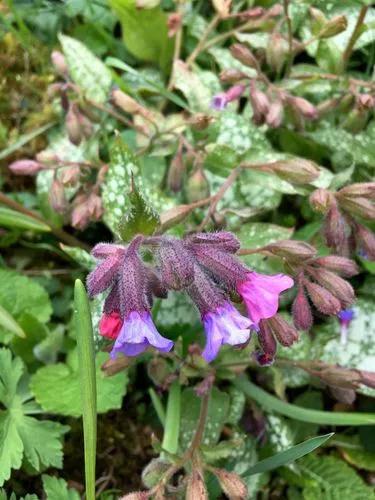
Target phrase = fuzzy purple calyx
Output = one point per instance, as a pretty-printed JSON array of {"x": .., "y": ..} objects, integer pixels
[
  {"x": 224, "y": 325},
  {"x": 137, "y": 333}
]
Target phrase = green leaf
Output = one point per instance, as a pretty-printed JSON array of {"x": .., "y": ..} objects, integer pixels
[
  {"x": 271, "y": 403},
  {"x": 8, "y": 323},
  {"x": 57, "y": 489},
  {"x": 118, "y": 203},
  {"x": 217, "y": 414},
  {"x": 353, "y": 452},
  {"x": 191, "y": 84},
  {"x": 140, "y": 218},
  {"x": 57, "y": 387},
  {"x": 332, "y": 479},
  {"x": 144, "y": 31},
  {"x": 87, "y": 382},
  {"x": 15, "y": 220},
  {"x": 288, "y": 456},
  {"x": 20, "y": 295},
  {"x": 23, "y": 438},
  {"x": 82, "y": 257},
  {"x": 86, "y": 70}
]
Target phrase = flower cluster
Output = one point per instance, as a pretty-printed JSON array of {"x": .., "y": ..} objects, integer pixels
[{"x": 203, "y": 265}]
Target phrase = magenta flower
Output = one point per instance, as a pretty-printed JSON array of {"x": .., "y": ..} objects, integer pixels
[
  {"x": 138, "y": 332},
  {"x": 220, "y": 101},
  {"x": 345, "y": 318},
  {"x": 224, "y": 325},
  {"x": 110, "y": 325},
  {"x": 261, "y": 294}
]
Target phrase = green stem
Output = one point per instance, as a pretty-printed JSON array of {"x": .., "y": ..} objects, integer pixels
[
  {"x": 158, "y": 405},
  {"x": 355, "y": 35},
  {"x": 172, "y": 419},
  {"x": 272, "y": 403}
]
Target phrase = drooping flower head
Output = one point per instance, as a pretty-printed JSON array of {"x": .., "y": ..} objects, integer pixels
[{"x": 345, "y": 318}]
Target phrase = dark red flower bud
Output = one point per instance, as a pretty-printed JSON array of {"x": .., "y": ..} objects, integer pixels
[
  {"x": 341, "y": 265},
  {"x": 322, "y": 299},
  {"x": 176, "y": 264},
  {"x": 321, "y": 200},
  {"x": 285, "y": 333},
  {"x": 267, "y": 342},
  {"x": 301, "y": 310},
  {"x": 335, "y": 229}
]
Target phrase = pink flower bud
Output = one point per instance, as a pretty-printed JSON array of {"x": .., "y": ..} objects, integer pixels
[
  {"x": 367, "y": 378},
  {"x": 231, "y": 484},
  {"x": 72, "y": 123},
  {"x": 174, "y": 23},
  {"x": 196, "y": 489},
  {"x": 125, "y": 102},
  {"x": 322, "y": 299},
  {"x": 244, "y": 55},
  {"x": 365, "y": 101},
  {"x": 340, "y": 288},
  {"x": 359, "y": 189},
  {"x": 341, "y": 265},
  {"x": 57, "y": 196},
  {"x": 292, "y": 249},
  {"x": 358, "y": 206},
  {"x": 25, "y": 167},
  {"x": 275, "y": 114},
  {"x": 259, "y": 102},
  {"x": 304, "y": 107},
  {"x": 94, "y": 206},
  {"x": 231, "y": 75},
  {"x": 295, "y": 170},
  {"x": 69, "y": 176},
  {"x": 301, "y": 310},
  {"x": 59, "y": 62},
  {"x": 321, "y": 200},
  {"x": 335, "y": 229},
  {"x": 366, "y": 241}
]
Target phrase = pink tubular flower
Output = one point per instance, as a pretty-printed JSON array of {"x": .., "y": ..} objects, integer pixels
[
  {"x": 224, "y": 325},
  {"x": 220, "y": 101},
  {"x": 137, "y": 333},
  {"x": 261, "y": 294},
  {"x": 110, "y": 325}
]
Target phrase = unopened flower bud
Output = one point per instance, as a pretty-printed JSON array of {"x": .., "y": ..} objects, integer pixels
[
  {"x": 197, "y": 187},
  {"x": 275, "y": 114},
  {"x": 176, "y": 264},
  {"x": 25, "y": 167},
  {"x": 244, "y": 55},
  {"x": 196, "y": 489},
  {"x": 267, "y": 342},
  {"x": 222, "y": 7},
  {"x": 356, "y": 120},
  {"x": 59, "y": 62},
  {"x": 285, "y": 333},
  {"x": 297, "y": 171},
  {"x": 335, "y": 229},
  {"x": 318, "y": 17},
  {"x": 292, "y": 249},
  {"x": 304, "y": 107},
  {"x": 366, "y": 241},
  {"x": 340, "y": 377},
  {"x": 359, "y": 189},
  {"x": 176, "y": 171},
  {"x": 231, "y": 484},
  {"x": 69, "y": 176},
  {"x": 222, "y": 240},
  {"x": 94, "y": 206},
  {"x": 367, "y": 378},
  {"x": 358, "y": 206},
  {"x": 365, "y": 101},
  {"x": 277, "y": 52},
  {"x": 125, "y": 102},
  {"x": 301, "y": 310},
  {"x": 85, "y": 125},
  {"x": 154, "y": 470},
  {"x": 321, "y": 200},
  {"x": 174, "y": 23},
  {"x": 57, "y": 196},
  {"x": 322, "y": 299},
  {"x": 73, "y": 126},
  {"x": 340, "y": 288},
  {"x": 259, "y": 102},
  {"x": 333, "y": 27},
  {"x": 231, "y": 75},
  {"x": 341, "y": 265}
]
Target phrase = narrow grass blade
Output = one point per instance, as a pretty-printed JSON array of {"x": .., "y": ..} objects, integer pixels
[
  {"x": 24, "y": 139},
  {"x": 86, "y": 353},
  {"x": 158, "y": 405},
  {"x": 10, "y": 324},
  {"x": 172, "y": 419},
  {"x": 15, "y": 220},
  {"x": 287, "y": 456},
  {"x": 271, "y": 403}
]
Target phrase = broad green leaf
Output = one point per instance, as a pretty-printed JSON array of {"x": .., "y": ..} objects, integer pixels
[
  {"x": 353, "y": 452},
  {"x": 8, "y": 323},
  {"x": 287, "y": 456},
  {"x": 332, "y": 479},
  {"x": 87, "y": 382},
  {"x": 86, "y": 70},
  {"x": 145, "y": 32},
  {"x": 57, "y": 387},
  {"x": 191, "y": 84},
  {"x": 16, "y": 220},
  {"x": 21, "y": 295},
  {"x": 217, "y": 415},
  {"x": 23, "y": 438},
  {"x": 57, "y": 489},
  {"x": 271, "y": 403}
]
